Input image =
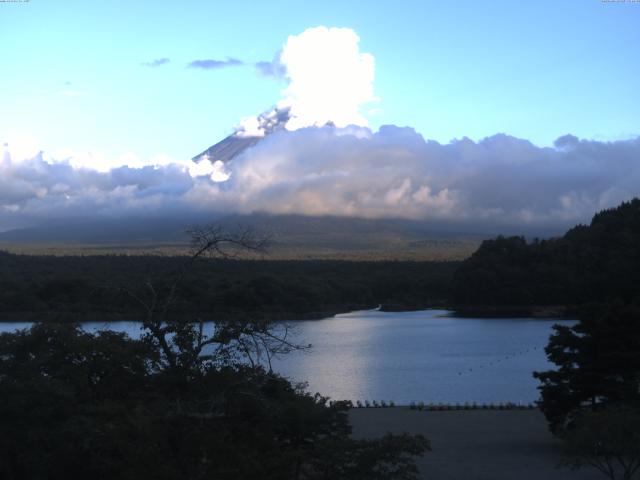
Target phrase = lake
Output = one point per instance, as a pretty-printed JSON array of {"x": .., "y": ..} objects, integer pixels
[{"x": 427, "y": 356}]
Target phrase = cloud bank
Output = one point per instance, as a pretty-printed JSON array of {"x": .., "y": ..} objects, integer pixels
[
  {"x": 352, "y": 171},
  {"x": 314, "y": 155}
]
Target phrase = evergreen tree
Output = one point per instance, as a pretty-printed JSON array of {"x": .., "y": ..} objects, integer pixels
[{"x": 598, "y": 364}]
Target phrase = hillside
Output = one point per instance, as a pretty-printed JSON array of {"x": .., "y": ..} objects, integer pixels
[
  {"x": 292, "y": 237},
  {"x": 599, "y": 262}
]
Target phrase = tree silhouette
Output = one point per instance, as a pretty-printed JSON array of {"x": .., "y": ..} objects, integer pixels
[
  {"x": 598, "y": 364},
  {"x": 179, "y": 403}
]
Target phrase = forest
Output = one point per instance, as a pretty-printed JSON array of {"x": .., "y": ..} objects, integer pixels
[
  {"x": 179, "y": 403},
  {"x": 599, "y": 262},
  {"x": 74, "y": 288}
]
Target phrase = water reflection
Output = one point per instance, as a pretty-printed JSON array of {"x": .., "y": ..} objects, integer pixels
[
  {"x": 422, "y": 356},
  {"x": 408, "y": 356}
]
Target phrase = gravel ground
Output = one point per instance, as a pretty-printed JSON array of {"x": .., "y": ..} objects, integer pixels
[{"x": 475, "y": 444}]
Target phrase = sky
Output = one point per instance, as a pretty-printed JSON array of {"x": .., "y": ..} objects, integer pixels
[{"x": 98, "y": 86}]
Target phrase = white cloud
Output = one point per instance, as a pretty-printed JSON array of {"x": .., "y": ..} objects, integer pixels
[
  {"x": 329, "y": 78},
  {"x": 329, "y": 81},
  {"x": 500, "y": 180},
  {"x": 23, "y": 145},
  {"x": 216, "y": 171},
  {"x": 497, "y": 181},
  {"x": 250, "y": 127}
]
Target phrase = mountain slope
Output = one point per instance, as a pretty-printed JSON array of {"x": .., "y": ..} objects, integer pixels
[
  {"x": 292, "y": 236},
  {"x": 595, "y": 263},
  {"x": 227, "y": 149}
]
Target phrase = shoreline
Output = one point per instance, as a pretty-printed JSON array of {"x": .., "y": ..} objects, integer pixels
[
  {"x": 511, "y": 311},
  {"x": 112, "y": 317},
  {"x": 481, "y": 312}
]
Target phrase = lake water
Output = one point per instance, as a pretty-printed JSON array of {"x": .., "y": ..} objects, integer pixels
[{"x": 406, "y": 357}]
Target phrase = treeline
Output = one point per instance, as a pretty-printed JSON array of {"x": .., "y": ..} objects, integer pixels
[
  {"x": 105, "y": 287},
  {"x": 597, "y": 263}
]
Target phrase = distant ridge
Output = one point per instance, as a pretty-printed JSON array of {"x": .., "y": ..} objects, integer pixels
[{"x": 292, "y": 236}]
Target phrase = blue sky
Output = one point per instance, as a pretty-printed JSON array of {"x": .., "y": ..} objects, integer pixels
[
  {"x": 73, "y": 80},
  {"x": 108, "y": 91}
]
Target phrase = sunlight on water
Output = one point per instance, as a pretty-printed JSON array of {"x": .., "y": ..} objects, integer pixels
[
  {"x": 409, "y": 356},
  {"x": 421, "y": 356}
]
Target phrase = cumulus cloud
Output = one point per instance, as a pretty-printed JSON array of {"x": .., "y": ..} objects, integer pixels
[
  {"x": 353, "y": 171},
  {"x": 395, "y": 173},
  {"x": 39, "y": 188},
  {"x": 329, "y": 81},
  {"x": 268, "y": 122},
  {"x": 214, "y": 170},
  {"x": 156, "y": 63},
  {"x": 212, "y": 64},
  {"x": 313, "y": 154},
  {"x": 329, "y": 78}
]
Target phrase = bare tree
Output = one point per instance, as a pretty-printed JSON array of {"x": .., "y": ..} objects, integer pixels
[{"x": 184, "y": 345}]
